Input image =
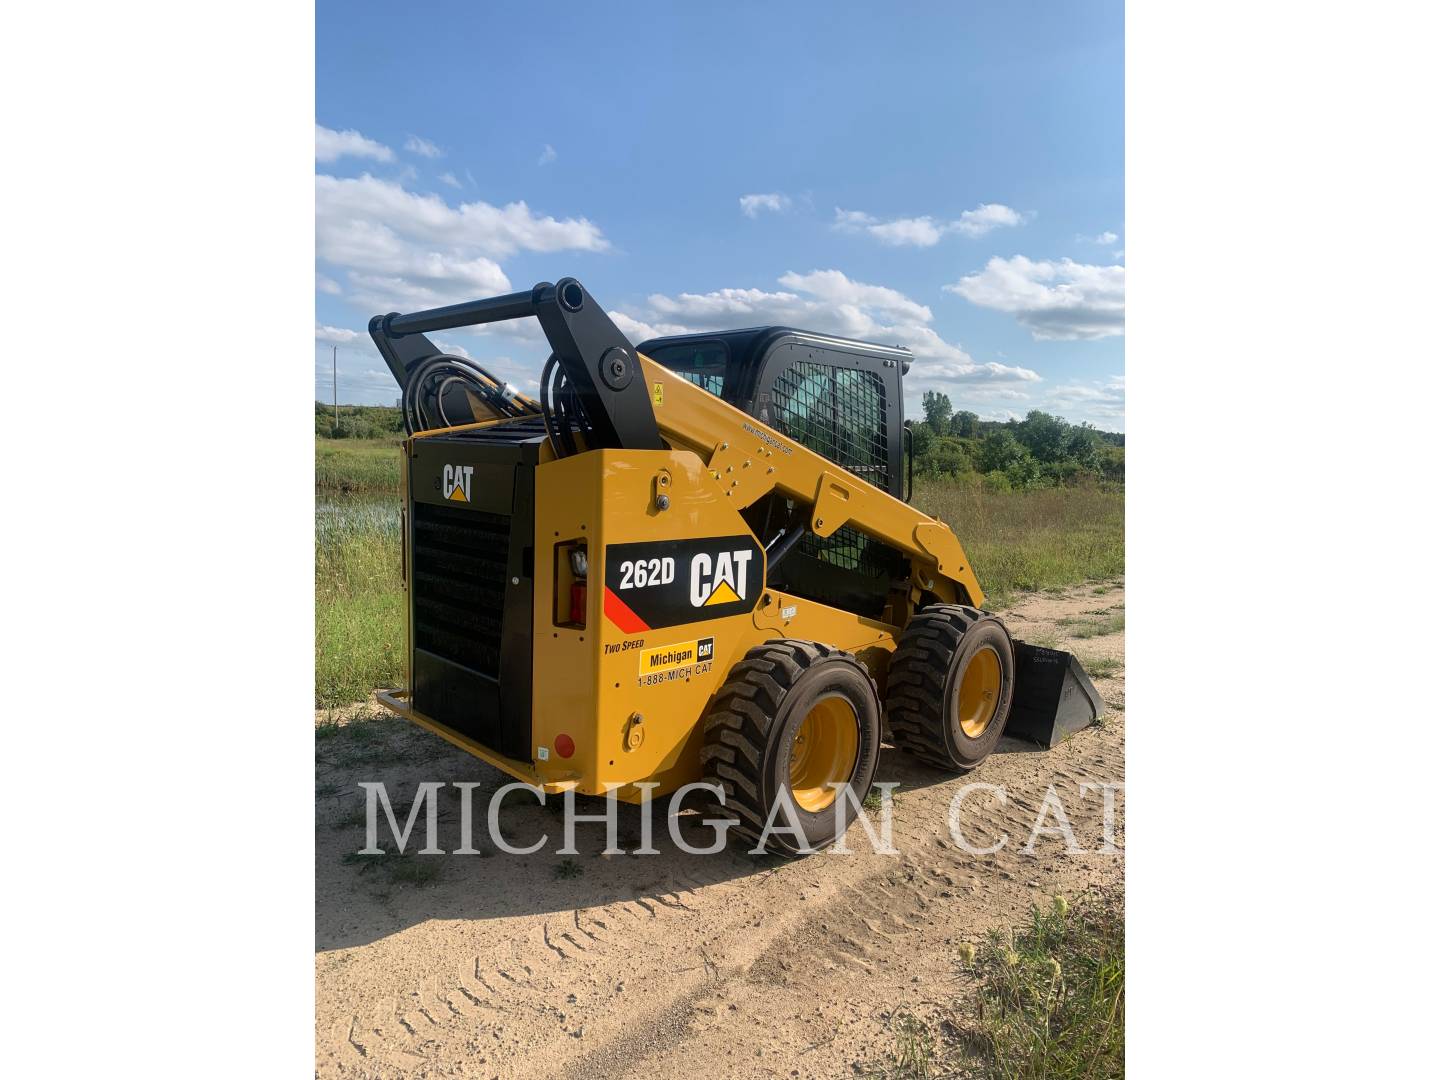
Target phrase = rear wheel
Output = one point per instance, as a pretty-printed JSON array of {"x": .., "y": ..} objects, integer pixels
[
  {"x": 950, "y": 685},
  {"x": 799, "y": 722}
]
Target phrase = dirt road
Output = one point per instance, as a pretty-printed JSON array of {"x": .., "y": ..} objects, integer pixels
[{"x": 669, "y": 965}]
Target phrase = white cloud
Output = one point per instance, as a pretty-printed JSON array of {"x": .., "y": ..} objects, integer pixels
[
  {"x": 1056, "y": 301},
  {"x": 326, "y": 285},
  {"x": 424, "y": 147},
  {"x": 913, "y": 232},
  {"x": 547, "y": 155},
  {"x": 987, "y": 216},
  {"x": 829, "y": 302},
  {"x": 1101, "y": 401},
  {"x": 835, "y": 287},
  {"x": 449, "y": 178},
  {"x": 775, "y": 202},
  {"x": 412, "y": 281},
  {"x": 451, "y": 349},
  {"x": 996, "y": 393},
  {"x": 402, "y": 249},
  {"x": 336, "y": 335},
  {"x": 332, "y": 145},
  {"x": 927, "y": 231},
  {"x": 491, "y": 230},
  {"x": 635, "y": 329}
]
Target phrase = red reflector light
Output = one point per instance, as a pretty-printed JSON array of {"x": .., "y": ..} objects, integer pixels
[
  {"x": 577, "y": 603},
  {"x": 564, "y": 745}
]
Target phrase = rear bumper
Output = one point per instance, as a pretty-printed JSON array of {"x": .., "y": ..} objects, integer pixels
[{"x": 398, "y": 702}]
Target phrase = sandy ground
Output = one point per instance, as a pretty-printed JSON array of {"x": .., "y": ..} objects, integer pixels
[{"x": 671, "y": 964}]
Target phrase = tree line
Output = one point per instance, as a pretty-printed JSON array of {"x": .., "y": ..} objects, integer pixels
[{"x": 1039, "y": 451}]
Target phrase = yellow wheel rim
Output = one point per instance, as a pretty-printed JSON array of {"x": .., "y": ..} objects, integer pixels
[
  {"x": 979, "y": 692},
  {"x": 824, "y": 753}
]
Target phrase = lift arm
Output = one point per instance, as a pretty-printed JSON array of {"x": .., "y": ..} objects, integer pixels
[
  {"x": 749, "y": 459},
  {"x": 597, "y": 358},
  {"x": 631, "y": 402}
]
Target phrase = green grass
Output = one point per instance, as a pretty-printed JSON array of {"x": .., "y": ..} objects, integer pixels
[
  {"x": 1101, "y": 667},
  {"x": 1048, "y": 1003},
  {"x": 349, "y": 466},
  {"x": 1052, "y": 995},
  {"x": 1030, "y": 541},
  {"x": 401, "y": 869},
  {"x": 359, "y": 608},
  {"x": 1081, "y": 626}
]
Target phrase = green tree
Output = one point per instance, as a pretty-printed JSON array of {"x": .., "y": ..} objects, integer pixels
[
  {"x": 965, "y": 424},
  {"x": 1043, "y": 435},
  {"x": 920, "y": 439},
  {"x": 1082, "y": 446},
  {"x": 937, "y": 411},
  {"x": 998, "y": 451}
]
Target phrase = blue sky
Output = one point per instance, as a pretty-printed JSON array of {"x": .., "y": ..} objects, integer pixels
[{"x": 945, "y": 176}]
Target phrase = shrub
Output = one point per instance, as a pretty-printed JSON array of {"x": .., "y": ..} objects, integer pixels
[
  {"x": 996, "y": 482},
  {"x": 947, "y": 456},
  {"x": 998, "y": 451}
]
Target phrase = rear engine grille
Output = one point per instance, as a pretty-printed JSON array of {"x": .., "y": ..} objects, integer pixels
[{"x": 459, "y": 563}]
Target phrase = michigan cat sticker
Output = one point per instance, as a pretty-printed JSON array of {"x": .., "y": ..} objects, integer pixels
[
  {"x": 677, "y": 661},
  {"x": 672, "y": 582}
]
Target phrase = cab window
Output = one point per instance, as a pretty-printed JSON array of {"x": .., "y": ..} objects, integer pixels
[{"x": 703, "y": 363}]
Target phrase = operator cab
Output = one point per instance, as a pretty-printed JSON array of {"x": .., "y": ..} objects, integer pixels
[{"x": 841, "y": 398}]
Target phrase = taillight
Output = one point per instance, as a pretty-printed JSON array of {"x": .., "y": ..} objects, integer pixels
[{"x": 577, "y": 603}]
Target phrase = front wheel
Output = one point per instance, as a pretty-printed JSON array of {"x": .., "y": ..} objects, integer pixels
[
  {"x": 951, "y": 682},
  {"x": 800, "y": 722}
]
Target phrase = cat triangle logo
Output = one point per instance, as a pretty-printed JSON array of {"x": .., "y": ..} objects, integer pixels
[
  {"x": 723, "y": 594},
  {"x": 455, "y": 482}
]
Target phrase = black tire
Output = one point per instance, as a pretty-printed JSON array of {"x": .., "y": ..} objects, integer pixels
[
  {"x": 750, "y": 732},
  {"x": 926, "y": 673}
]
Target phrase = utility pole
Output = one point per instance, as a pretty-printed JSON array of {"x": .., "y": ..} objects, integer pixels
[{"x": 335, "y": 382}]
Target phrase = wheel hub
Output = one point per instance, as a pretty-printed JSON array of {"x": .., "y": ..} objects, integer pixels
[
  {"x": 824, "y": 753},
  {"x": 979, "y": 692}
]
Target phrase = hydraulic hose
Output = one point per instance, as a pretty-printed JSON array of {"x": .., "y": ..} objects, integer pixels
[{"x": 423, "y": 399}]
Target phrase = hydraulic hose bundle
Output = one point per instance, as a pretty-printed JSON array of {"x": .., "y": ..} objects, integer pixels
[
  {"x": 429, "y": 381},
  {"x": 561, "y": 408}
]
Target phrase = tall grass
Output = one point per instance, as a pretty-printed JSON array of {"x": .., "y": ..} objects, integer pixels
[
  {"x": 1052, "y": 995},
  {"x": 1025, "y": 541},
  {"x": 359, "y": 607},
  {"x": 357, "y": 465},
  {"x": 1048, "y": 1003}
]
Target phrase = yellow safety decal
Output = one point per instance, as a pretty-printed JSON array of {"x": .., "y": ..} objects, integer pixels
[{"x": 658, "y": 394}]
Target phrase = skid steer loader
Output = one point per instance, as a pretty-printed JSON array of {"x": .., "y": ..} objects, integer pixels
[{"x": 692, "y": 561}]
